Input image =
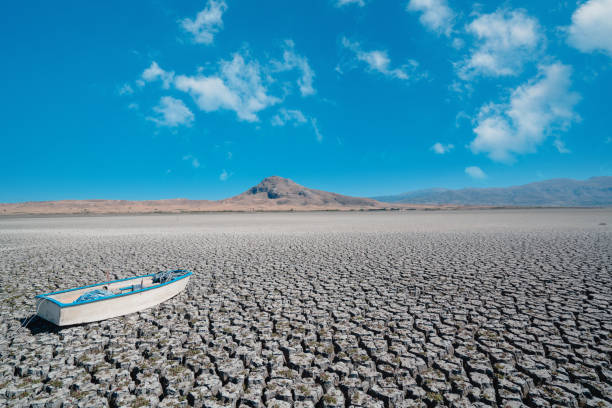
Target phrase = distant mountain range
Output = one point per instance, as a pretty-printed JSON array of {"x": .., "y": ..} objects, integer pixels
[
  {"x": 281, "y": 194},
  {"x": 593, "y": 192}
]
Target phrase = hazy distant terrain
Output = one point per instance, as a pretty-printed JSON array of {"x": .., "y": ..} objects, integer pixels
[
  {"x": 272, "y": 194},
  {"x": 593, "y": 192},
  {"x": 281, "y": 194}
]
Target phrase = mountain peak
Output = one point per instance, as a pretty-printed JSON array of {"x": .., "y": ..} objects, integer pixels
[
  {"x": 275, "y": 187},
  {"x": 277, "y": 180},
  {"x": 280, "y": 191}
]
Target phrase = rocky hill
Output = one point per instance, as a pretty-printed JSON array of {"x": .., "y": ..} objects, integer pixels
[{"x": 276, "y": 191}]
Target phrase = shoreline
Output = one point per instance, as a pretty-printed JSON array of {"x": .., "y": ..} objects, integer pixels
[{"x": 298, "y": 211}]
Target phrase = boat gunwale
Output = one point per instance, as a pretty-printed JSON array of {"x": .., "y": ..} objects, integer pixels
[{"x": 62, "y": 305}]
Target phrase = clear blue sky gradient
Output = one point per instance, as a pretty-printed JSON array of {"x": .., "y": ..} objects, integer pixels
[{"x": 68, "y": 132}]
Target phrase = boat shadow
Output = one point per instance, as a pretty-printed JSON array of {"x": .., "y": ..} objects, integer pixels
[{"x": 38, "y": 325}]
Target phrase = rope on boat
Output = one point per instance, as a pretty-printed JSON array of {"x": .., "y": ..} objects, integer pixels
[
  {"x": 28, "y": 321},
  {"x": 93, "y": 295},
  {"x": 25, "y": 324},
  {"x": 166, "y": 276}
]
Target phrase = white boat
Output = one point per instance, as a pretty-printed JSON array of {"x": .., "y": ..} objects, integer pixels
[{"x": 110, "y": 299}]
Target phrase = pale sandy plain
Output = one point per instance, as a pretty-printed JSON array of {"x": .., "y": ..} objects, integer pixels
[
  {"x": 271, "y": 194},
  {"x": 363, "y": 309}
]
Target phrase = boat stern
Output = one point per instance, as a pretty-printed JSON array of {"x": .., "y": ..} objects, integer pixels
[{"x": 48, "y": 310}]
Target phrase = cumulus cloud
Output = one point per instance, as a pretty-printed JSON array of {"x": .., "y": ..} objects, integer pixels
[
  {"x": 207, "y": 23},
  {"x": 172, "y": 112},
  {"x": 591, "y": 28},
  {"x": 440, "y": 148},
  {"x": 505, "y": 40},
  {"x": 379, "y": 61},
  {"x": 342, "y": 3},
  {"x": 475, "y": 172},
  {"x": 286, "y": 116},
  {"x": 292, "y": 60},
  {"x": 154, "y": 73},
  {"x": 435, "y": 15},
  {"x": 239, "y": 86},
  {"x": 224, "y": 175},
  {"x": 534, "y": 110}
]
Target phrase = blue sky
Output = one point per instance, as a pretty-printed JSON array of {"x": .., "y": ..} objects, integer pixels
[{"x": 203, "y": 99}]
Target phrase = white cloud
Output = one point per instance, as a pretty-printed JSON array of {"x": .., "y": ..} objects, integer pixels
[
  {"x": 505, "y": 41},
  {"x": 240, "y": 84},
  {"x": 440, "y": 148},
  {"x": 296, "y": 117},
  {"x": 172, "y": 112},
  {"x": 126, "y": 89},
  {"x": 436, "y": 15},
  {"x": 560, "y": 145},
  {"x": 379, "y": 61},
  {"x": 591, "y": 28},
  {"x": 291, "y": 61},
  {"x": 210, "y": 93},
  {"x": 238, "y": 87},
  {"x": 193, "y": 160},
  {"x": 224, "y": 175},
  {"x": 315, "y": 127},
  {"x": 475, "y": 172},
  {"x": 457, "y": 43},
  {"x": 533, "y": 111},
  {"x": 286, "y": 116},
  {"x": 342, "y": 3},
  {"x": 207, "y": 23},
  {"x": 460, "y": 117},
  {"x": 154, "y": 73}
]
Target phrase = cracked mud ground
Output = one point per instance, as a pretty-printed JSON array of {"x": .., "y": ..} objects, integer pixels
[{"x": 475, "y": 308}]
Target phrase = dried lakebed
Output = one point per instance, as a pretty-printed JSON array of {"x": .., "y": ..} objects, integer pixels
[{"x": 503, "y": 308}]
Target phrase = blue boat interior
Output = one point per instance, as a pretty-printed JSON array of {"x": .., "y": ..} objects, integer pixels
[{"x": 111, "y": 289}]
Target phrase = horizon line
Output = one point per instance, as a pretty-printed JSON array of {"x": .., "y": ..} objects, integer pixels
[{"x": 285, "y": 178}]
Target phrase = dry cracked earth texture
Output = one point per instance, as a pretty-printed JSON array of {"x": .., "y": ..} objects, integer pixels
[{"x": 505, "y": 308}]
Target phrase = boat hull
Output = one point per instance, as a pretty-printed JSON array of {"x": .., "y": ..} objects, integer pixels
[{"x": 106, "y": 308}]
